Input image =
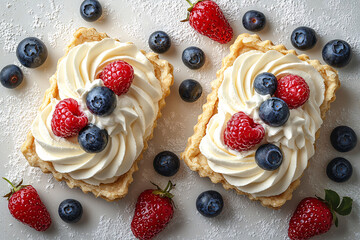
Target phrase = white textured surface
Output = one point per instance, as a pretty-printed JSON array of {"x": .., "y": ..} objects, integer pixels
[{"x": 134, "y": 20}]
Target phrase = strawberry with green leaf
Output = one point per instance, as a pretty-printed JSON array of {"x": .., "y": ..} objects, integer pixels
[
  {"x": 314, "y": 216},
  {"x": 26, "y": 206},
  {"x": 153, "y": 211},
  {"x": 206, "y": 17}
]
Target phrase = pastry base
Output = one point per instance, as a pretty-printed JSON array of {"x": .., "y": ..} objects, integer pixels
[
  {"x": 244, "y": 43},
  {"x": 118, "y": 189}
]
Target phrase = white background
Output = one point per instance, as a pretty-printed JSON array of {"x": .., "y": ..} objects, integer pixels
[{"x": 134, "y": 20}]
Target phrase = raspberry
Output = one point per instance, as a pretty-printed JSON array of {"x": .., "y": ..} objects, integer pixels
[
  {"x": 242, "y": 133},
  {"x": 293, "y": 90},
  {"x": 68, "y": 120},
  {"x": 118, "y": 76}
]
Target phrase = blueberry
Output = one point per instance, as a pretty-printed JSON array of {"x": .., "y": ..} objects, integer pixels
[
  {"x": 101, "y": 101},
  {"x": 209, "y": 203},
  {"x": 303, "y": 38},
  {"x": 70, "y": 210},
  {"x": 159, "y": 42},
  {"x": 93, "y": 139},
  {"x": 265, "y": 83},
  {"x": 31, "y": 52},
  {"x": 11, "y": 76},
  {"x": 343, "y": 138},
  {"x": 337, "y": 53},
  {"x": 193, "y": 57},
  {"x": 166, "y": 163},
  {"x": 90, "y": 10},
  {"x": 190, "y": 90},
  {"x": 339, "y": 169},
  {"x": 274, "y": 112},
  {"x": 254, "y": 20},
  {"x": 268, "y": 157}
]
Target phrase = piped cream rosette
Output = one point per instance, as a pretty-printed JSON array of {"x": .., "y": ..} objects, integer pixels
[
  {"x": 128, "y": 125},
  {"x": 295, "y": 138}
]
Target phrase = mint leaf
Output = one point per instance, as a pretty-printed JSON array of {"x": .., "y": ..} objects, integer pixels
[
  {"x": 332, "y": 198},
  {"x": 345, "y": 206}
]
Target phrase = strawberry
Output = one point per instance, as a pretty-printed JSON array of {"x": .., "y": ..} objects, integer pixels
[
  {"x": 206, "y": 17},
  {"x": 314, "y": 216},
  {"x": 26, "y": 206},
  {"x": 153, "y": 211}
]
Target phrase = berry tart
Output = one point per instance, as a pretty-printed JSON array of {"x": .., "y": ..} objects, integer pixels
[
  {"x": 260, "y": 123},
  {"x": 98, "y": 114}
]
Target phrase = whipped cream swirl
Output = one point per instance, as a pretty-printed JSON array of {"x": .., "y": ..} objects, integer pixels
[
  {"x": 295, "y": 138},
  {"x": 129, "y": 124}
]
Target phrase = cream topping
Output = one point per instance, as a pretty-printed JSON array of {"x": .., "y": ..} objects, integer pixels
[
  {"x": 128, "y": 126},
  {"x": 295, "y": 138}
]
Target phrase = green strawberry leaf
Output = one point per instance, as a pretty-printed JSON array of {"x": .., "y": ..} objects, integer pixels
[
  {"x": 336, "y": 220},
  {"x": 319, "y": 198},
  {"x": 345, "y": 206},
  {"x": 21, "y": 182},
  {"x": 332, "y": 198},
  {"x": 7, "y": 195},
  {"x": 164, "y": 192}
]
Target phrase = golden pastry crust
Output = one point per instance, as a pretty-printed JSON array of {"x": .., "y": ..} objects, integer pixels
[
  {"x": 244, "y": 43},
  {"x": 118, "y": 189}
]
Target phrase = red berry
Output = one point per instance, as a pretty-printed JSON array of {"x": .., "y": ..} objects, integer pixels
[
  {"x": 207, "y": 18},
  {"x": 68, "y": 119},
  {"x": 118, "y": 76},
  {"x": 26, "y": 206},
  {"x": 314, "y": 216},
  {"x": 153, "y": 211},
  {"x": 242, "y": 133},
  {"x": 293, "y": 90},
  {"x": 311, "y": 217}
]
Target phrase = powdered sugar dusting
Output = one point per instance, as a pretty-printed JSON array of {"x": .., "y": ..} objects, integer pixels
[
  {"x": 9, "y": 32},
  {"x": 109, "y": 228},
  {"x": 17, "y": 118},
  {"x": 134, "y": 20}
]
